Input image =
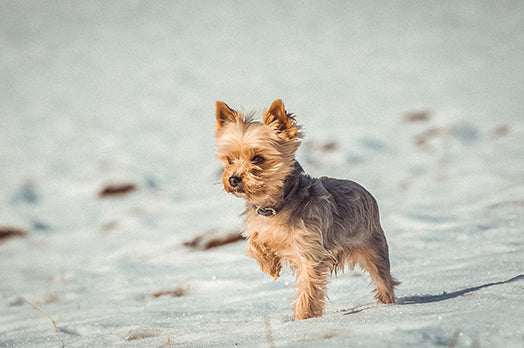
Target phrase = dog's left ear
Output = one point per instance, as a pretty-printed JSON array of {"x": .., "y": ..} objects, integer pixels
[{"x": 283, "y": 123}]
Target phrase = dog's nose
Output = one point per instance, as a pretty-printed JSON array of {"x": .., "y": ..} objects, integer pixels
[{"x": 235, "y": 180}]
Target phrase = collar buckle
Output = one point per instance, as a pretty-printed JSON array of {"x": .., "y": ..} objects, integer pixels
[{"x": 267, "y": 211}]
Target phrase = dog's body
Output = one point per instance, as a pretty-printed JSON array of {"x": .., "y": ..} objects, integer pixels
[{"x": 316, "y": 226}]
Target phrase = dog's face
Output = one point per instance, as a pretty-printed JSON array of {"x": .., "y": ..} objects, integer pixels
[{"x": 257, "y": 156}]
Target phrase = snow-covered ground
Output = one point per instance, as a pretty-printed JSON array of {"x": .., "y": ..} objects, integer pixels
[{"x": 421, "y": 102}]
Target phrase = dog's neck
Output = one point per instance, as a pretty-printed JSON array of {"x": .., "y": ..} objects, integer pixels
[{"x": 290, "y": 188}]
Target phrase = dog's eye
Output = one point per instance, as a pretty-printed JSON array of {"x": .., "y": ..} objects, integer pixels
[
  {"x": 258, "y": 159},
  {"x": 229, "y": 160}
]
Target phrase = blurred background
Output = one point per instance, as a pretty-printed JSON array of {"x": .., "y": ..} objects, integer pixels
[{"x": 128, "y": 88}]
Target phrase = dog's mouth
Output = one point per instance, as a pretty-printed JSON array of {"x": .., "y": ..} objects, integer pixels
[{"x": 237, "y": 191}]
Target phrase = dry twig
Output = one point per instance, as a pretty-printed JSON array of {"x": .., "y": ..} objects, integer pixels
[
  {"x": 454, "y": 339},
  {"x": 47, "y": 316}
]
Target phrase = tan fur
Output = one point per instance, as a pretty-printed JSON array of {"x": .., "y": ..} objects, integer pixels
[{"x": 308, "y": 233}]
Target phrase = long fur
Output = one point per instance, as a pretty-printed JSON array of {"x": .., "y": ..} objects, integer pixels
[{"x": 320, "y": 225}]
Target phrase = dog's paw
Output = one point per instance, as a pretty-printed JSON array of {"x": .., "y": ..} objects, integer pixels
[
  {"x": 266, "y": 257},
  {"x": 275, "y": 270},
  {"x": 271, "y": 268}
]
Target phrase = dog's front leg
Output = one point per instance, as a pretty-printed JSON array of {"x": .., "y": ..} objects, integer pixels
[
  {"x": 266, "y": 257},
  {"x": 312, "y": 268},
  {"x": 312, "y": 287}
]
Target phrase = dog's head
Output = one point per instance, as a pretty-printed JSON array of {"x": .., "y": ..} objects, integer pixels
[{"x": 257, "y": 156}]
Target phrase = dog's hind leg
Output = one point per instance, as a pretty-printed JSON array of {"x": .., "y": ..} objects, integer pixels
[{"x": 375, "y": 259}]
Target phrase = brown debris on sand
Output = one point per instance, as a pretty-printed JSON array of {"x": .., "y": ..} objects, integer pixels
[
  {"x": 205, "y": 243},
  {"x": 11, "y": 232},
  {"x": 117, "y": 190}
]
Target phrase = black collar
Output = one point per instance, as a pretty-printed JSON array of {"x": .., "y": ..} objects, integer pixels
[{"x": 291, "y": 186}]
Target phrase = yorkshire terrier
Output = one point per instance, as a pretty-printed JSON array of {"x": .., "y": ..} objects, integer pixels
[{"x": 316, "y": 226}]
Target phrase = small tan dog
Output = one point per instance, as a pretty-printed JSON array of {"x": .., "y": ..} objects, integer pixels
[{"x": 316, "y": 226}]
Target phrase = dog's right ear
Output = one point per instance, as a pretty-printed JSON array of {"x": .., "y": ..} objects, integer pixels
[{"x": 225, "y": 115}]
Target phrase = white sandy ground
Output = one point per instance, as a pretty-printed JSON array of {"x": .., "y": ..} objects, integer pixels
[{"x": 95, "y": 93}]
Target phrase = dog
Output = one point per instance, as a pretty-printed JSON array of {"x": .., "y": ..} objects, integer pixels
[{"x": 316, "y": 226}]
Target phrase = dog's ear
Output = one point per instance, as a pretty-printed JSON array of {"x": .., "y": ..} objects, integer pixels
[
  {"x": 283, "y": 123},
  {"x": 225, "y": 115}
]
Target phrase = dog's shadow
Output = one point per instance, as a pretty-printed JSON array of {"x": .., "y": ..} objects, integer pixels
[{"x": 418, "y": 299}]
